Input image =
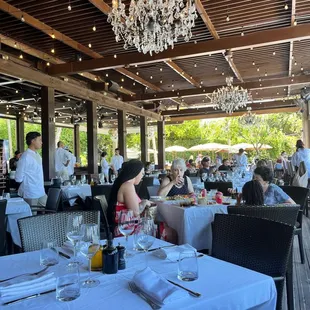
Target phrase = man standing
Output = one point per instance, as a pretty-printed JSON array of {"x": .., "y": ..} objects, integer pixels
[
  {"x": 117, "y": 162},
  {"x": 62, "y": 160},
  {"x": 29, "y": 172},
  {"x": 241, "y": 160},
  {"x": 13, "y": 161}
]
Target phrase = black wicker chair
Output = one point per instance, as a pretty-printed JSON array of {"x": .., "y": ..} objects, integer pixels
[
  {"x": 143, "y": 192},
  {"x": 258, "y": 244},
  {"x": 100, "y": 204},
  {"x": 34, "y": 229},
  {"x": 99, "y": 190},
  {"x": 300, "y": 196},
  {"x": 52, "y": 202},
  {"x": 220, "y": 186},
  {"x": 3, "y": 224}
]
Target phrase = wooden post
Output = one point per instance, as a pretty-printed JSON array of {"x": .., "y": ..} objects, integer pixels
[
  {"x": 144, "y": 139},
  {"x": 48, "y": 131},
  {"x": 306, "y": 125},
  {"x": 92, "y": 146},
  {"x": 77, "y": 147},
  {"x": 121, "y": 117},
  {"x": 161, "y": 139},
  {"x": 20, "y": 133}
]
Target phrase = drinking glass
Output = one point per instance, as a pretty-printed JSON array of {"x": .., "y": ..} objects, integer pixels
[
  {"x": 49, "y": 255},
  {"x": 89, "y": 246},
  {"x": 83, "y": 179},
  {"x": 68, "y": 282},
  {"x": 126, "y": 225},
  {"x": 75, "y": 231},
  {"x": 188, "y": 266},
  {"x": 6, "y": 196},
  {"x": 73, "y": 179}
]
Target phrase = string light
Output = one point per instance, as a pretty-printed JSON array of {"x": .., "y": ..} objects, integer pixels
[
  {"x": 89, "y": 45},
  {"x": 302, "y": 68},
  {"x": 223, "y": 73},
  {"x": 227, "y": 18},
  {"x": 16, "y": 91},
  {"x": 161, "y": 81},
  {"x": 21, "y": 56},
  {"x": 137, "y": 73},
  {"x": 15, "y": 45},
  {"x": 80, "y": 58},
  {"x": 53, "y": 35},
  {"x": 160, "y": 69},
  {"x": 122, "y": 80},
  {"x": 273, "y": 53},
  {"x": 295, "y": 63},
  {"x": 265, "y": 73},
  {"x": 195, "y": 65},
  {"x": 257, "y": 69},
  {"x": 115, "y": 56},
  {"x": 286, "y": 6},
  {"x": 22, "y": 18},
  {"x": 94, "y": 28},
  {"x": 253, "y": 63},
  {"x": 69, "y": 6},
  {"x": 215, "y": 68},
  {"x": 107, "y": 75},
  {"x": 134, "y": 83},
  {"x": 151, "y": 77},
  {"x": 48, "y": 64},
  {"x": 295, "y": 22},
  {"x": 53, "y": 51}
]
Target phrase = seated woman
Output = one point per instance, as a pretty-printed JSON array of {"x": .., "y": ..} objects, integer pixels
[
  {"x": 177, "y": 183},
  {"x": 252, "y": 194},
  {"x": 123, "y": 193},
  {"x": 273, "y": 194}
]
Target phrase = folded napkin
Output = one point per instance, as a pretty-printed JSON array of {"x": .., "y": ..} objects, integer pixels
[
  {"x": 27, "y": 288},
  {"x": 156, "y": 287},
  {"x": 173, "y": 253}
]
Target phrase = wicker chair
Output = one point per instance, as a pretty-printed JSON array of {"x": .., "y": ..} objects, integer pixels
[
  {"x": 258, "y": 244},
  {"x": 34, "y": 229},
  {"x": 99, "y": 190},
  {"x": 300, "y": 196},
  {"x": 3, "y": 224}
]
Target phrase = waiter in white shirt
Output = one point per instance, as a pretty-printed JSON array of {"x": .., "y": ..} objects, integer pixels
[
  {"x": 71, "y": 163},
  {"x": 241, "y": 160},
  {"x": 62, "y": 160},
  {"x": 29, "y": 172},
  {"x": 117, "y": 162}
]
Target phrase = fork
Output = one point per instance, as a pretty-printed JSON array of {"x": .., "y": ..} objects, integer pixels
[
  {"x": 25, "y": 274},
  {"x": 134, "y": 289}
]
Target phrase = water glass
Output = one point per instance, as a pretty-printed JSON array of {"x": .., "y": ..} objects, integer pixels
[
  {"x": 68, "y": 282},
  {"x": 83, "y": 179},
  {"x": 188, "y": 266},
  {"x": 6, "y": 196},
  {"x": 49, "y": 255}
]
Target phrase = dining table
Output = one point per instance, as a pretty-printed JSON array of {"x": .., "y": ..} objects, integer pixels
[
  {"x": 72, "y": 192},
  {"x": 16, "y": 208},
  {"x": 222, "y": 285}
]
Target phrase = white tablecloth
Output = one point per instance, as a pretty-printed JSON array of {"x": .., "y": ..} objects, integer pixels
[
  {"x": 16, "y": 208},
  {"x": 76, "y": 190},
  {"x": 222, "y": 285},
  {"x": 192, "y": 224}
]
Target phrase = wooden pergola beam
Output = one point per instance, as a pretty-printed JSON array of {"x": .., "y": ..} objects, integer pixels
[
  {"x": 256, "y": 39},
  {"x": 290, "y": 61},
  {"x": 297, "y": 80},
  {"x": 220, "y": 115},
  {"x": 10, "y": 68}
]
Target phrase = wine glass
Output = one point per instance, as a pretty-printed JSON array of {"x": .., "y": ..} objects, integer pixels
[
  {"x": 113, "y": 177},
  {"x": 126, "y": 225},
  {"x": 73, "y": 179},
  {"x": 89, "y": 246},
  {"x": 83, "y": 179},
  {"x": 75, "y": 231}
]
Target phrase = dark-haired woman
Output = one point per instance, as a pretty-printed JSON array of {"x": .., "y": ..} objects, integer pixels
[
  {"x": 273, "y": 194},
  {"x": 104, "y": 166},
  {"x": 253, "y": 194},
  {"x": 123, "y": 193}
]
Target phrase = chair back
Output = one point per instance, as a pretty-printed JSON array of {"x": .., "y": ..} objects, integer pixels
[
  {"x": 153, "y": 190},
  {"x": 284, "y": 214},
  {"x": 290, "y": 169},
  {"x": 254, "y": 243},
  {"x": 220, "y": 186},
  {"x": 103, "y": 189},
  {"x": 143, "y": 192},
  {"x": 35, "y": 229},
  {"x": 3, "y": 219},
  {"x": 53, "y": 199}
]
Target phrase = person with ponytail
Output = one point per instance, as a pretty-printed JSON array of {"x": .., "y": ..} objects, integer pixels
[{"x": 123, "y": 194}]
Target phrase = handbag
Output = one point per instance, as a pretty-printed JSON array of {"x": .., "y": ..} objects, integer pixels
[{"x": 301, "y": 177}]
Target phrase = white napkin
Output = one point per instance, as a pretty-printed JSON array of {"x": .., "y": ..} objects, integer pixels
[
  {"x": 156, "y": 287},
  {"x": 172, "y": 253},
  {"x": 27, "y": 288}
]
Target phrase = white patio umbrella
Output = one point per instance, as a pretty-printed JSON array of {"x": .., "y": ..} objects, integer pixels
[
  {"x": 248, "y": 146},
  {"x": 209, "y": 147},
  {"x": 175, "y": 149}
]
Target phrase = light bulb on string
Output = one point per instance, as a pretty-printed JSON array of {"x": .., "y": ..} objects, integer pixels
[
  {"x": 69, "y": 6},
  {"x": 22, "y": 18},
  {"x": 89, "y": 45},
  {"x": 286, "y": 6},
  {"x": 94, "y": 28},
  {"x": 227, "y": 18}
]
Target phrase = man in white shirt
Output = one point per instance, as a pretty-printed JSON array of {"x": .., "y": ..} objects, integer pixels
[
  {"x": 29, "y": 172},
  {"x": 241, "y": 160},
  {"x": 117, "y": 162},
  {"x": 71, "y": 164},
  {"x": 62, "y": 160}
]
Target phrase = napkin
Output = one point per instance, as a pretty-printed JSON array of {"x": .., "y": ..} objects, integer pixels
[
  {"x": 156, "y": 287},
  {"x": 173, "y": 253},
  {"x": 16, "y": 199},
  {"x": 27, "y": 288}
]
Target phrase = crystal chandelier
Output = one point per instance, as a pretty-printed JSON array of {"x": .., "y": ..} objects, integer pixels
[
  {"x": 248, "y": 118},
  {"x": 230, "y": 98},
  {"x": 152, "y": 25}
]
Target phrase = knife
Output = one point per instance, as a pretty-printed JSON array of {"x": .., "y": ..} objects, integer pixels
[
  {"x": 64, "y": 255},
  {"x": 29, "y": 297},
  {"x": 162, "y": 247}
]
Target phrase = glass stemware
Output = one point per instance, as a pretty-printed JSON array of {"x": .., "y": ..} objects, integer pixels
[
  {"x": 83, "y": 179},
  {"x": 126, "y": 225},
  {"x": 89, "y": 246},
  {"x": 74, "y": 231}
]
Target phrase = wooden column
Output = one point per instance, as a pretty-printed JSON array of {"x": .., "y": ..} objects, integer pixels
[
  {"x": 92, "y": 146},
  {"x": 306, "y": 125},
  {"x": 77, "y": 145},
  {"x": 143, "y": 138},
  {"x": 161, "y": 139},
  {"x": 121, "y": 118},
  {"x": 20, "y": 133},
  {"x": 48, "y": 131}
]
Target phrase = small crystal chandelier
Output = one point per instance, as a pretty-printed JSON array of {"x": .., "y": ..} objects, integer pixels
[
  {"x": 153, "y": 25},
  {"x": 230, "y": 98},
  {"x": 249, "y": 118}
]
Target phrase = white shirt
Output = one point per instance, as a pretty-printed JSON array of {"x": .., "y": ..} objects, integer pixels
[
  {"x": 117, "y": 162},
  {"x": 29, "y": 173},
  {"x": 104, "y": 167},
  {"x": 302, "y": 155},
  {"x": 241, "y": 160},
  {"x": 71, "y": 164},
  {"x": 61, "y": 158}
]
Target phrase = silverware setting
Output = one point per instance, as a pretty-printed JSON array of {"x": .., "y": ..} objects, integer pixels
[
  {"x": 162, "y": 247},
  {"x": 135, "y": 290},
  {"x": 192, "y": 293},
  {"x": 26, "y": 274},
  {"x": 64, "y": 255}
]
